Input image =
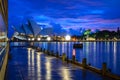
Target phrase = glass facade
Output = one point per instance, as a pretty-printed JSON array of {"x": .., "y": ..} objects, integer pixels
[{"x": 4, "y": 47}]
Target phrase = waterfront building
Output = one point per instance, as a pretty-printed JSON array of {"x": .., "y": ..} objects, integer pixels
[
  {"x": 118, "y": 33},
  {"x": 29, "y": 30},
  {"x": 90, "y": 39},
  {"x": 4, "y": 46}
]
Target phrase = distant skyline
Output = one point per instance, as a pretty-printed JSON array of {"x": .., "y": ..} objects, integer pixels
[{"x": 68, "y": 14}]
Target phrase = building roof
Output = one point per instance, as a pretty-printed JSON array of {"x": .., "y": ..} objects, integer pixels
[{"x": 32, "y": 28}]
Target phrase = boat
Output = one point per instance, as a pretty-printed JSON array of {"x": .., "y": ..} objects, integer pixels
[{"x": 80, "y": 45}]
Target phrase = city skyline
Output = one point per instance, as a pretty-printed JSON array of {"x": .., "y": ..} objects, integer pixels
[{"x": 69, "y": 15}]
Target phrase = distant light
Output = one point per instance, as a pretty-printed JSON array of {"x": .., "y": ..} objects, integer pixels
[
  {"x": 48, "y": 38},
  {"x": 67, "y": 37},
  {"x": 73, "y": 52},
  {"x": 41, "y": 28},
  {"x": 29, "y": 39},
  {"x": 38, "y": 39},
  {"x": 33, "y": 39}
]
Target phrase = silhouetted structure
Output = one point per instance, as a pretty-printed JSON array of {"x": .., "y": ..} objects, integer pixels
[
  {"x": 4, "y": 47},
  {"x": 118, "y": 33},
  {"x": 32, "y": 29}
]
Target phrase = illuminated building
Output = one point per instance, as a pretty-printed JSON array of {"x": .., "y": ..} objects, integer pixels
[{"x": 4, "y": 46}]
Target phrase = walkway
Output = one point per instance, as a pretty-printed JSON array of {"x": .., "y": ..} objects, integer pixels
[{"x": 26, "y": 64}]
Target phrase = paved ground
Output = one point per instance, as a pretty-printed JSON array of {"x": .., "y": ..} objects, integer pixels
[{"x": 26, "y": 64}]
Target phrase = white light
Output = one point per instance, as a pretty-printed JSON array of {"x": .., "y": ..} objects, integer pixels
[
  {"x": 41, "y": 28},
  {"x": 29, "y": 39},
  {"x": 33, "y": 39},
  {"x": 48, "y": 38},
  {"x": 67, "y": 38},
  {"x": 38, "y": 39}
]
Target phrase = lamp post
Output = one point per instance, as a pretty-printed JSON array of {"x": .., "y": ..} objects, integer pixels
[
  {"x": 29, "y": 39},
  {"x": 48, "y": 39},
  {"x": 67, "y": 38},
  {"x": 38, "y": 39},
  {"x": 33, "y": 39}
]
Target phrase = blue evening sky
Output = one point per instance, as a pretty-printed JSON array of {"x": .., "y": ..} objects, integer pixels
[{"x": 70, "y": 15}]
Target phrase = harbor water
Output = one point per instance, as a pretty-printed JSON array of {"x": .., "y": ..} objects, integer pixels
[{"x": 95, "y": 52}]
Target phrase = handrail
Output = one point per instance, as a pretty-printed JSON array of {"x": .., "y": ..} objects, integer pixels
[{"x": 2, "y": 56}]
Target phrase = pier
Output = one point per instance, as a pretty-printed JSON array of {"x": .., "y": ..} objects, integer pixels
[
  {"x": 33, "y": 62},
  {"x": 27, "y": 64}
]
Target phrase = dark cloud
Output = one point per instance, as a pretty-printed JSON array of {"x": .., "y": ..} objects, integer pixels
[
  {"x": 57, "y": 29},
  {"x": 67, "y": 13}
]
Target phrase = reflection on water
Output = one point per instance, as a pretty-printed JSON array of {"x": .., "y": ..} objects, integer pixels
[
  {"x": 114, "y": 55},
  {"x": 38, "y": 65},
  {"x": 33, "y": 66},
  {"x": 31, "y": 63},
  {"x": 95, "y": 52}
]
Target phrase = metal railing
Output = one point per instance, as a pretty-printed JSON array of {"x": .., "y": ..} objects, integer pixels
[{"x": 2, "y": 55}]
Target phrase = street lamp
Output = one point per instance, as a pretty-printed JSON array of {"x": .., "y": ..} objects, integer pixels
[
  {"x": 28, "y": 39},
  {"x": 48, "y": 38},
  {"x": 67, "y": 38},
  {"x": 33, "y": 39},
  {"x": 38, "y": 39}
]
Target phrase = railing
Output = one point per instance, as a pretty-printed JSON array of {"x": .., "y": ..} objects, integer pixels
[
  {"x": 2, "y": 56},
  {"x": 3, "y": 60}
]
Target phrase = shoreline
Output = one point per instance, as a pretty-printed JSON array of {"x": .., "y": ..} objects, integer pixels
[{"x": 72, "y": 41}]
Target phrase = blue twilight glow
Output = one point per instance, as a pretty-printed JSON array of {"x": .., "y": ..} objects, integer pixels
[{"x": 69, "y": 15}]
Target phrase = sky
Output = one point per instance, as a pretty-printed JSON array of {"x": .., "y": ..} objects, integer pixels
[{"x": 70, "y": 15}]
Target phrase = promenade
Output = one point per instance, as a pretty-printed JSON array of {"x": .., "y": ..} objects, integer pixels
[{"x": 27, "y": 64}]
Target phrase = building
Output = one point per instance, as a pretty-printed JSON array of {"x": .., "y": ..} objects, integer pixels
[
  {"x": 29, "y": 30},
  {"x": 90, "y": 39},
  {"x": 4, "y": 46},
  {"x": 118, "y": 33}
]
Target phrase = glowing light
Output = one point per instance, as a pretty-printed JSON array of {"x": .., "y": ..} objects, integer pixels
[
  {"x": 67, "y": 38},
  {"x": 38, "y": 39},
  {"x": 33, "y": 39},
  {"x": 29, "y": 39},
  {"x": 74, "y": 52},
  {"x": 48, "y": 38}
]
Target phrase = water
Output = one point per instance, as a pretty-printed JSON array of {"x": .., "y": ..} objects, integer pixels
[{"x": 95, "y": 52}]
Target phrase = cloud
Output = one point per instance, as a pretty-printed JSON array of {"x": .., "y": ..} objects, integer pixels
[{"x": 67, "y": 14}]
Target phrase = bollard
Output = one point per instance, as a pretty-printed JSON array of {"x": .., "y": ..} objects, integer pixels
[
  {"x": 48, "y": 52},
  {"x": 51, "y": 53},
  {"x": 73, "y": 58},
  {"x": 104, "y": 68},
  {"x": 63, "y": 57},
  {"x": 38, "y": 48},
  {"x": 84, "y": 61},
  {"x": 44, "y": 50},
  {"x": 41, "y": 49},
  {"x": 57, "y": 54}
]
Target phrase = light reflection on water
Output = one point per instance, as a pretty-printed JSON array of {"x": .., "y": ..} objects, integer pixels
[
  {"x": 38, "y": 65},
  {"x": 31, "y": 63},
  {"x": 95, "y": 52}
]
